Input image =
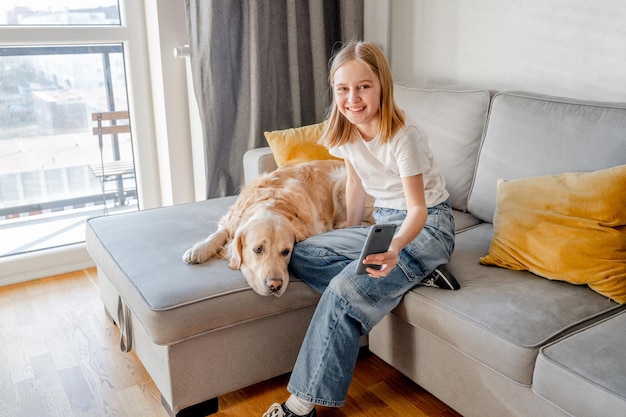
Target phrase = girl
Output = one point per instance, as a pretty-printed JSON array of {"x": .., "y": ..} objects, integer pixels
[{"x": 390, "y": 161}]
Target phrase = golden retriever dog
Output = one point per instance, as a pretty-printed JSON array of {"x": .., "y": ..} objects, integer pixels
[{"x": 271, "y": 214}]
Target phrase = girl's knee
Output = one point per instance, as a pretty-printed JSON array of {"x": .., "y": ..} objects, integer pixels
[{"x": 344, "y": 286}]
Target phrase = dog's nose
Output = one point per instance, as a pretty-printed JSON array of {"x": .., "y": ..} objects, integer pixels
[{"x": 274, "y": 284}]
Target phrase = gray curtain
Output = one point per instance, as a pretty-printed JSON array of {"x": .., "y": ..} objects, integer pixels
[{"x": 261, "y": 65}]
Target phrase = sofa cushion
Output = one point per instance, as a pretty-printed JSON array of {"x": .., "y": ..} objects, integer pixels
[
  {"x": 584, "y": 374},
  {"x": 454, "y": 120},
  {"x": 296, "y": 145},
  {"x": 142, "y": 254},
  {"x": 488, "y": 320},
  {"x": 463, "y": 220},
  {"x": 532, "y": 135},
  {"x": 569, "y": 227}
]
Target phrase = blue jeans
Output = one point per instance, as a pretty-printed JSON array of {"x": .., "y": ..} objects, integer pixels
[{"x": 352, "y": 304}]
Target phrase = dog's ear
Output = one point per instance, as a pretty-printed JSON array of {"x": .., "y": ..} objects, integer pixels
[
  {"x": 299, "y": 230},
  {"x": 301, "y": 219},
  {"x": 235, "y": 248}
]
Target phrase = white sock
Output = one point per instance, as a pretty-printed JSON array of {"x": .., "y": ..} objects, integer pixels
[{"x": 298, "y": 406}]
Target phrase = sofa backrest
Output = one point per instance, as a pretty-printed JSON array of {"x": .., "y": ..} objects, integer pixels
[
  {"x": 531, "y": 135},
  {"x": 454, "y": 120}
]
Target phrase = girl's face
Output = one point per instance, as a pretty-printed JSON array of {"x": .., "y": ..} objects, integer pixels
[{"x": 356, "y": 91}]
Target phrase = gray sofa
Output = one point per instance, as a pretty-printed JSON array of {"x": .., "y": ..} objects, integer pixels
[{"x": 508, "y": 343}]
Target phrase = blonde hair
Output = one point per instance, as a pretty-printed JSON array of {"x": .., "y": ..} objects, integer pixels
[{"x": 339, "y": 130}]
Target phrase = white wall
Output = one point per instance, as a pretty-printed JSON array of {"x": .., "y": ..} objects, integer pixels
[
  {"x": 167, "y": 29},
  {"x": 574, "y": 48}
]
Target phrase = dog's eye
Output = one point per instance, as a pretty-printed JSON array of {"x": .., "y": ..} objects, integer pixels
[
  {"x": 285, "y": 252},
  {"x": 258, "y": 250}
]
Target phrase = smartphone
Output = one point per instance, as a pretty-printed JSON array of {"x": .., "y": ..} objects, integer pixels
[{"x": 378, "y": 241}]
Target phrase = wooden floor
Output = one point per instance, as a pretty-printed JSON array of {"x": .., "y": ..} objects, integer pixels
[{"x": 59, "y": 356}]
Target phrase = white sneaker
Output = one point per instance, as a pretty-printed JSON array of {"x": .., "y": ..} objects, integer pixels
[
  {"x": 275, "y": 410},
  {"x": 280, "y": 410}
]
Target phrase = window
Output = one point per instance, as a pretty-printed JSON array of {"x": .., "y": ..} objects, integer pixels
[
  {"x": 157, "y": 99},
  {"x": 52, "y": 166},
  {"x": 52, "y": 175},
  {"x": 59, "y": 13}
]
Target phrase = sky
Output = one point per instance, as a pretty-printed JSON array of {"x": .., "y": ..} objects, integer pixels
[{"x": 53, "y": 4}]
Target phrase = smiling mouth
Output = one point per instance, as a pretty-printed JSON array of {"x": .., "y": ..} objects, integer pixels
[{"x": 355, "y": 109}]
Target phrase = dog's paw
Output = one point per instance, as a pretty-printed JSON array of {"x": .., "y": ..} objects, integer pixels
[{"x": 193, "y": 256}]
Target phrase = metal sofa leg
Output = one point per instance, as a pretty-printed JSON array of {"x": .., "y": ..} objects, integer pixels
[{"x": 199, "y": 410}]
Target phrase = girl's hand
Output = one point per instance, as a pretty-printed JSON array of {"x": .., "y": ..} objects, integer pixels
[{"x": 388, "y": 260}]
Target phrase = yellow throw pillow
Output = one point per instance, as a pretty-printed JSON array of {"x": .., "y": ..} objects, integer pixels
[
  {"x": 295, "y": 145},
  {"x": 569, "y": 227}
]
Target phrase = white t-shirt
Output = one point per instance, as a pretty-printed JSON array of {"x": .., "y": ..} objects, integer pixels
[{"x": 382, "y": 166}]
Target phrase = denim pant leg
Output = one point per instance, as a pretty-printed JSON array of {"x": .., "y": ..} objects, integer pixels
[
  {"x": 352, "y": 304},
  {"x": 348, "y": 308},
  {"x": 320, "y": 258}
]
